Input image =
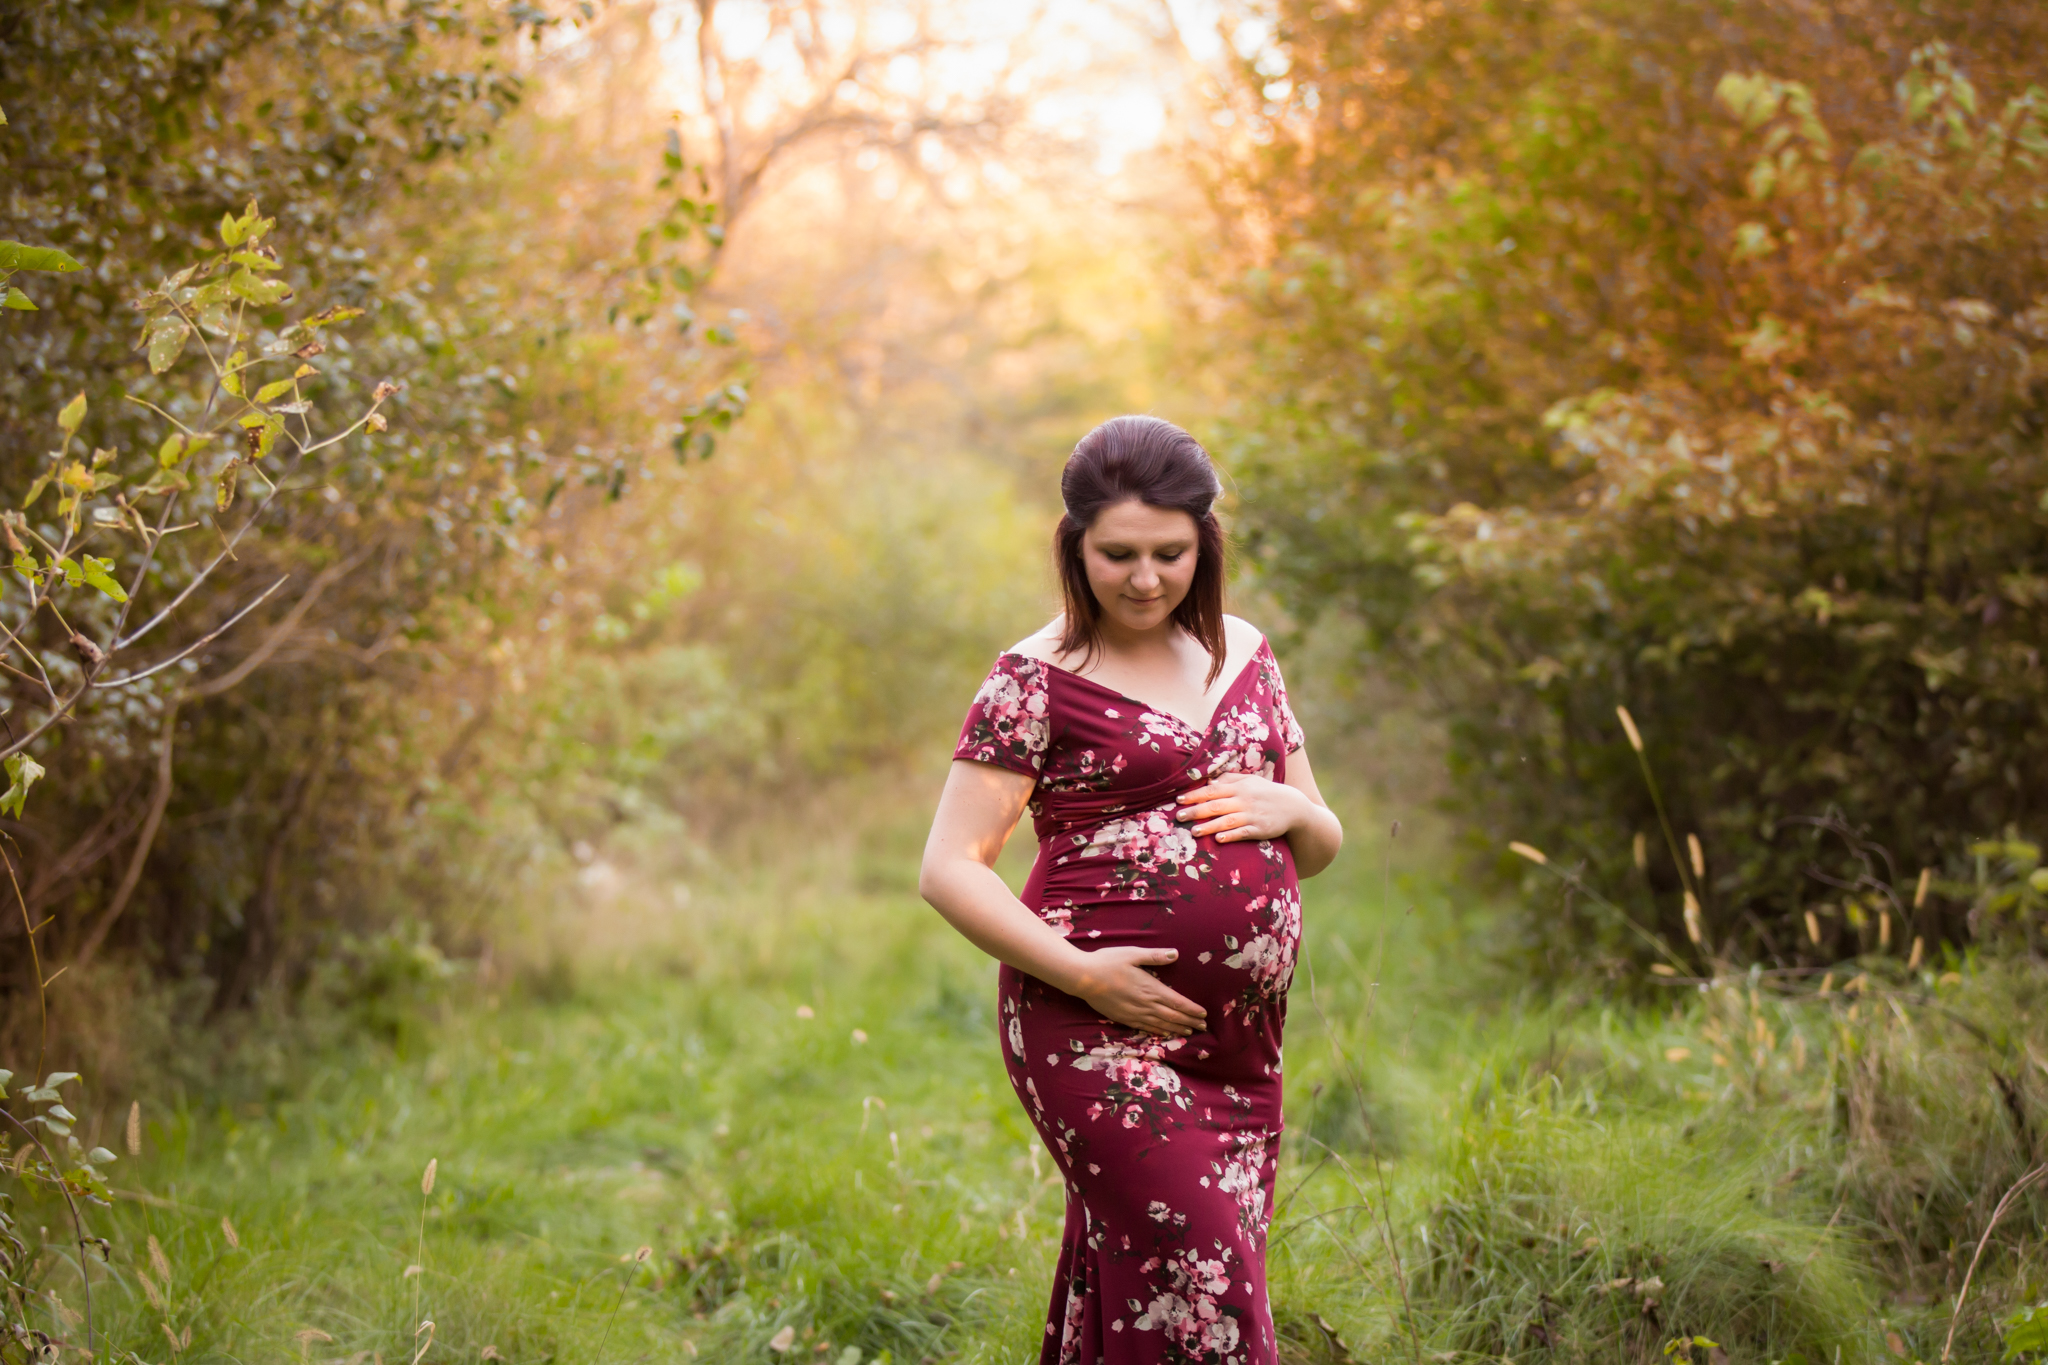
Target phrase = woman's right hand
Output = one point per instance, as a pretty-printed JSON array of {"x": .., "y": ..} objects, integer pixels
[{"x": 1114, "y": 981}]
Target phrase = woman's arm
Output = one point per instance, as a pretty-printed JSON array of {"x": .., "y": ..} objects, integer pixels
[
  {"x": 1241, "y": 806},
  {"x": 980, "y": 806}
]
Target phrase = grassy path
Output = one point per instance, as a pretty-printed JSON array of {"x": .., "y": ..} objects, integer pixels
[{"x": 796, "y": 1106}]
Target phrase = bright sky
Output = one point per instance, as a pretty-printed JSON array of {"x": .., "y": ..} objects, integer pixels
[{"x": 1095, "y": 72}]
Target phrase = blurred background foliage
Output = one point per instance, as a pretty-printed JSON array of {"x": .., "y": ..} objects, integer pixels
[
  {"x": 1560, "y": 355},
  {"x": 569, "y": 594},
  {"x": 1683, "y": 356}
]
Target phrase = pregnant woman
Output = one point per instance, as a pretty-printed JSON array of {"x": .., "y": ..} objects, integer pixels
[{"x": 1145, "y": 970}]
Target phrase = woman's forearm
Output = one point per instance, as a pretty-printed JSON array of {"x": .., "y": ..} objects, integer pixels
[
  {"x": 1315, "y": 839},
  {"x": 977, "y": 902}
]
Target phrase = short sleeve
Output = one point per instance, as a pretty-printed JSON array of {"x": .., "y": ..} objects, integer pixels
[
  {"x": 1009, "y": 723},
  {"x": 1290, "y": 728}
]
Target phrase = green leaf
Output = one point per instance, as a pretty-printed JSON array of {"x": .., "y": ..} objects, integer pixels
[
  {"x": 327, "y": 316},
  {"x": 15, "y": 256},
  {"x": 55, "y": 1078},
  {"x": 19, "y": 301},
  {"x": 231, "y": 377},
  {"x": 255, "y": 260},
  {"x": 174, "y": 449},
  {"x": 100, "y": 1156},
  {"x": 224, "y": 486},
  {"x": 2026, "y": 1330},
  {"x": 74, "y": 577},
  {"x": 23, "y": 772},
  {"x": 167, "y": 343},
  {"x": 25, "y": 564},
  {"x": 35, "y": 490},
  {"x": 72, "y": 415},
  {"x": 253, "y": 226},
  {"x": 164, "y": 481},
  {"x": 266, "y": 429},
  {"x": 100, "y": 574},
  {"x": 245, "y": 285},
  {"x": 274, "y": 389}
]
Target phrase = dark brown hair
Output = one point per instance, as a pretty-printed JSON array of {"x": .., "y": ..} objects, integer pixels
[{"x": 1148, "y": 460}]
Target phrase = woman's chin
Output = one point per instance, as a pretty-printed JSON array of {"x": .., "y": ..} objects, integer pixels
[{"x": 1140, "y": 621}]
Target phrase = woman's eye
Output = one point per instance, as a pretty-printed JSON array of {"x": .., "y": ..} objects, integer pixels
[
  {"x": 1116, "y": 556},
  {"x": 1173, "y": 558}
]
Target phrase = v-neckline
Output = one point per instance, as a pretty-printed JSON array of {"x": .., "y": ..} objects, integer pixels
[{"x": 1203, "y": 732}]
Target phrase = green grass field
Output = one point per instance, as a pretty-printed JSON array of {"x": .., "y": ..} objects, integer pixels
[{"x": 775, "y": 1126}]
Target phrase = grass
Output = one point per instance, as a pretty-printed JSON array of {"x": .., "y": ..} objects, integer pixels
[{"x": 790, "y": 1096}]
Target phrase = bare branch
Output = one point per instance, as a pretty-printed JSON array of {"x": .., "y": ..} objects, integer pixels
[
  {"x": 160, "y": 799},
  {"x": 199, "y": 644},
  {"x": 213, "y": 687}
]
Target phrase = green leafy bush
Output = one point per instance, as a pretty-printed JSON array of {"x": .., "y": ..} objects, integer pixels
[
  {"x": 1685, "y": 357},
  {"x": 243, "y": 801}
]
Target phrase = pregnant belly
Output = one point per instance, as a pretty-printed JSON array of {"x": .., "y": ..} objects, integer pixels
[{"x": 1232, "y": 911}]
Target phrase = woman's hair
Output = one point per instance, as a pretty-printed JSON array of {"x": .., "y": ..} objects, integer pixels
[{"x": 1142, "y": 459}]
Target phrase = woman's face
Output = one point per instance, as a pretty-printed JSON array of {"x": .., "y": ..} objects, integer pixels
[{"x": 1140, "y": 561}]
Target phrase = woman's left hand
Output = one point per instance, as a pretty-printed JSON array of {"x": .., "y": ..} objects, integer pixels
[{"x": 1239, "y": 806}]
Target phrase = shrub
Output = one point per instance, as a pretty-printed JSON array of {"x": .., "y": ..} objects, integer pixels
[{"x": 1682, "y": 356}]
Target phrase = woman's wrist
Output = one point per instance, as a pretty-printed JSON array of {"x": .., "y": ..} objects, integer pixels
[{"x": 1066, "y": 970}]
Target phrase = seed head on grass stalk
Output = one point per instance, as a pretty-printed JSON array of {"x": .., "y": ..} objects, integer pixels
[
  {"x": 419, "y": 1263},
  {"x": 1578, "y": 884},
  {"x": 1694, "y": 927}
]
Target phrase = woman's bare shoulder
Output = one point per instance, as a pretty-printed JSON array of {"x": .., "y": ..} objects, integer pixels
[
  {"x": 1240, "y": 636},
  {"x": 1044, "y": 644}
]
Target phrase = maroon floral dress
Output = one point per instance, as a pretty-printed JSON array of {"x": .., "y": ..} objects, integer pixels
[{"x": 1169, "y": 1146}]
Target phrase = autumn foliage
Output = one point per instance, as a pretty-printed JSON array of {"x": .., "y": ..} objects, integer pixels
[{"x": 1688, "y": 357}]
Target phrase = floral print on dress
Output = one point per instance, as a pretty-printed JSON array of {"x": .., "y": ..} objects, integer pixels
[
  {"x": 1007, "y": 725},
  {"x": 1168, "y": 1147},
  {"x": 1267, "y": 957},
  {"x": 1139, "y": 1087},
  {"x": 1146, "y": 853},
  {"x": 1191, "y": 1312},
  {"x": 1241, "y": 1174}
]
